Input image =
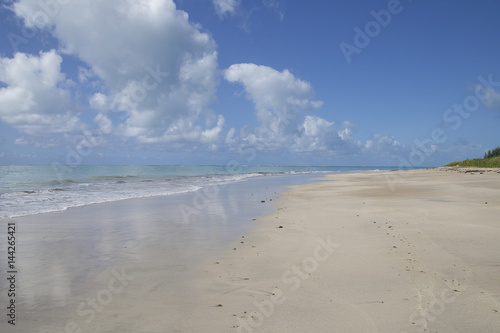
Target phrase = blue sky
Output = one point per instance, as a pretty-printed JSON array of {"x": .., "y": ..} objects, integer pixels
[{"x": 414, "y": 83}]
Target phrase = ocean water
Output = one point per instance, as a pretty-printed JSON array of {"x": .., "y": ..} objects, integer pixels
[{"x": 35, "y": 189}]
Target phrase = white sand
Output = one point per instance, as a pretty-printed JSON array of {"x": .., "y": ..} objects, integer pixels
[{"x": 416, "y": 250}]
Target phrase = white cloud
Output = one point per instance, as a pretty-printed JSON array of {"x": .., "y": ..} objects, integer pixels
[
  {"x": 152, "y": 73},
  {"x": 36, "y": 99},
  {"x": 230, "y": 139},
  {"x": 181, "y": 132},
  {"x": 23, "y": 141},
  {"x": 44, "y": 143},
  {"x": 347, "y": 130},
  {"x": 315, "y": 134},
  {"x": 281, "y": 100},
  {"x": 223, "y": 7},
  {"x": 105, "y": 125},
  {"x": 212, "y": 134},
  {"x": 489, "y": 97},
  {"x": 101, "y": 102},
  {"x": 271, "y": 89},
  {"x": 153, "y": 63},
  {"x": 384, "y": 146}
]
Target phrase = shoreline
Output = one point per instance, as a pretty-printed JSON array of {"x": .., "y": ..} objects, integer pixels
[{"x": 95, "y": 268}]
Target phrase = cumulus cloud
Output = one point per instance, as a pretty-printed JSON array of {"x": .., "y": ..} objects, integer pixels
[
  {"x": 281, "y": 103},
  {"x": 151, "y": 74},
  {"x": 36, "y": 99},
  {"x": 280, "y": 99},
  {"x": 315, "y": 134},
  {"x": 155, "y": 66},
  {"x": 271, "y": 89}
]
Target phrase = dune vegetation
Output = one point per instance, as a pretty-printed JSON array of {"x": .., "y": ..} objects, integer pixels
[{"x": 491, "y": 160}]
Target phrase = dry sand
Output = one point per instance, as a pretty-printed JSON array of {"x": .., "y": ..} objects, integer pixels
[{"x": 369, "y": 252}]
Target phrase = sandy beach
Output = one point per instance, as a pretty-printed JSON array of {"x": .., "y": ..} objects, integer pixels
[
  {"x": 402, "y": 251},
  {"x": 408, "y": 251},
  {"x": 236, "y": 166}
]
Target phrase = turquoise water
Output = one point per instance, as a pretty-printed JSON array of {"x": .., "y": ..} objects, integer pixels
[{"x": 28, "y": 190}]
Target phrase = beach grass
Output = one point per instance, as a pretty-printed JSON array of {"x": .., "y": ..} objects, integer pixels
[{"x": 493, "y": 162}]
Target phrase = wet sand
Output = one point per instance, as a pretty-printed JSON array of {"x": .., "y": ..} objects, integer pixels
[{"x": 125, "y": 266}]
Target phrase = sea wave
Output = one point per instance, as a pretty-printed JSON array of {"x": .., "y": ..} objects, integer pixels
[
  {"x": 24, "y": 203},
  {"x": 30, "y": 190},
  {"x": 69, "y": 194}
]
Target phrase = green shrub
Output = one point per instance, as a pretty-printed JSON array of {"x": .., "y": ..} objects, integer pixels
[
  {"x": 492, "y": 153},
  {"x": 492, "y": 162}
]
